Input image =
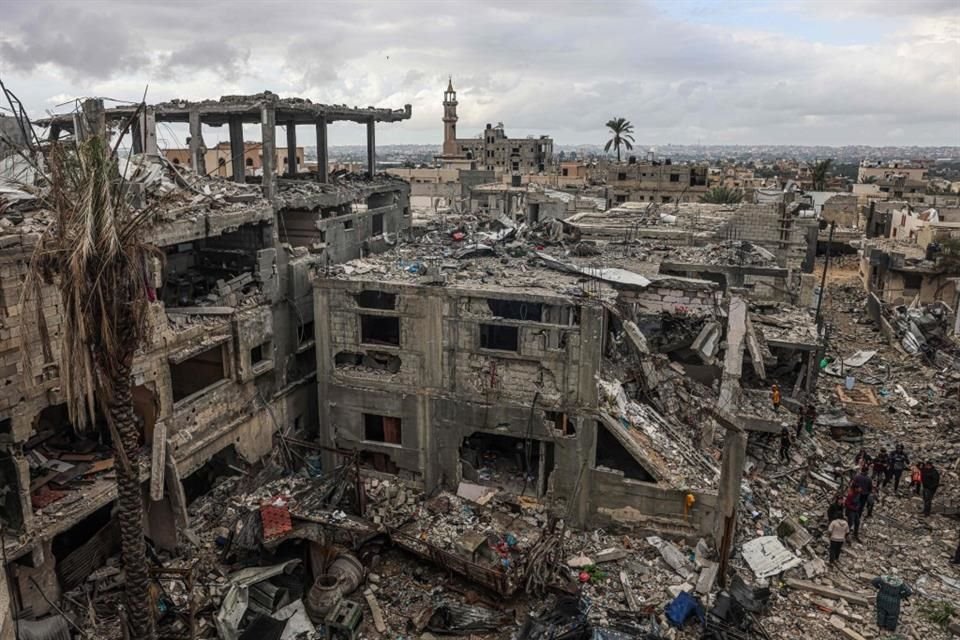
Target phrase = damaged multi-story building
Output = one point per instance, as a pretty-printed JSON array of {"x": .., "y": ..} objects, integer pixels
[
  {"x": 445, "y": 371},
  {"x": 492, "y": 150},
  {"x": 232, "y": 357},
  {"x": 660, "y": 181}
]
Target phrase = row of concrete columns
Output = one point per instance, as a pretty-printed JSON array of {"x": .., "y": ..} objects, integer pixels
[
  {"x": 268, "y": 134},
  {"x": 144, "y": 140}
]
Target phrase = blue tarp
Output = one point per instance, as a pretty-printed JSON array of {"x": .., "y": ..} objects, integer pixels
[{"x": 682, "y": 608}]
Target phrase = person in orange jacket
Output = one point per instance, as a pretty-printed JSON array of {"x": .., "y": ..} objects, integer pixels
[
  {"x": 775, "y": 397},
  {"x": 916, "y": 479}
]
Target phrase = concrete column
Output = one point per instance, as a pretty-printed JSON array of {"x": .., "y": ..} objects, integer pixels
[
  {"x": 323, "y": 170},
  {"x": 268, "y": 126},
  {"x": 136, "y": 135},
  {"x": 291, "y": 148},
  {"x": 197, "y": 148},
  {"x": 92, "y": 121},
  {"x": 236, "y": 149},
  {"x": 371, "y": 148},
  {"x": 150, "y": 132},
  {"x": 54, "y": 133},
  {"x": 322, "y": 332}
]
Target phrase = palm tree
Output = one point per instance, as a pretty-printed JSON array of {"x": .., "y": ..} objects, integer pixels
[
  {"x": 622, "y": 135},
  {"x": 722, "y": 195},
  {"x": 820, "y": 170},
  {"x": 93, "y": 254}
]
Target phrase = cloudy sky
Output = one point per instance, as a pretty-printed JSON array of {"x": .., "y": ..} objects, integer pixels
[{"x": 715, "y": 71}]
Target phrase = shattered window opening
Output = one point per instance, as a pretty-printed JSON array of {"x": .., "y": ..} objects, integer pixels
[
  {"x": 197, "y": 373},
  {"x": 380, "y": 330},
  {"x": 499, "y": 337},
  {"x": 516, "y": 309},
  {"x": 261, "y": 353},
  {"x": 385, "y": 429},
  {"x": 373, "y": 360},
  {"x": 373, "y": 299}
]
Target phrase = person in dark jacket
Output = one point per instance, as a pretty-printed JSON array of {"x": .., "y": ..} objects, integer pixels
[
  {"x": 852, "y": 508},
  {"x": 898, "y": 462},
  {"x": 785, "y": 444},
  {"x": 864, "y": 486},
  {"x": 880, "y": 464},
  {"x": 891, "y": 591},
  {"x": 930, "y": 481}
]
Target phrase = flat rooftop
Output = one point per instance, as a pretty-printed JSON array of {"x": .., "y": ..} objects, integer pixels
[{"x": 247, "y": 108}]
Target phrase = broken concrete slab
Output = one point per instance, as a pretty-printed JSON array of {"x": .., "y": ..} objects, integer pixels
[
  {"x": 611, "y": 554},
  {"x": 768, "y": 557},
  {"x": 707, "y": 579}
]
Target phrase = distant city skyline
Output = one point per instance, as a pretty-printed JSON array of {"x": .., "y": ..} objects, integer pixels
[{"x": 857, "y": 72}]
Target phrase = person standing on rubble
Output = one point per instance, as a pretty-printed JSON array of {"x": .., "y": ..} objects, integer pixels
[
  {"x": 930, "y": 479},
  {"x": 898, "y": 462},
  {"x": 785, "y": 443},
  {"x": 915, "y": 479},
  {"x": 838, "y": 530},
  {"x": 891, "y": 591},
  {"x": 880, "y": 464},
  {"x": 775, "y": 396},
  {"x": 864, "y": 486},
  {"x": 852, "y": 507},
  {"x": 809, "y": 417}
]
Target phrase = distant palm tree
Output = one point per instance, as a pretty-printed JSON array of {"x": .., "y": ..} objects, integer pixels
[
  {"x": 622, "y": 135},
  {"x": 722, "y": 195},
  {"x": 820, "y": 170}
]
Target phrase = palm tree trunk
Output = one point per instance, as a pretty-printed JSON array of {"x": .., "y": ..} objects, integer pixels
[
  {"x": 618, "y": 154},
  {"x": 130, "y": 512}
]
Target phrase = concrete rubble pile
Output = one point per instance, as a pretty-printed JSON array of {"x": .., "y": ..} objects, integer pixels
[{"x": 728, "y": 252}]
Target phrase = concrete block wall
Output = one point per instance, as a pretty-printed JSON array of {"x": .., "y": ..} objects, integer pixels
[
  {"x": 629, "y": 503},
  {"x": 656, "y": 299},
  {"x": 392, "y": 201}
]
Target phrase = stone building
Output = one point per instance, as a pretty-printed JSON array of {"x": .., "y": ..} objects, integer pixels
[
  {"x": 492, "y": 150},
  {"x": 231, "y": 360},
  {"x": 219, "y": 159},
  {"x": 655, "y": 181}
]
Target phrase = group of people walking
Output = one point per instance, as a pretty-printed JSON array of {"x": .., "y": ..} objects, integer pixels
[{"x": 874, "y": 473}]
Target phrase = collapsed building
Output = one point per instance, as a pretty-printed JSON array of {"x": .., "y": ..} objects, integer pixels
[{"x": 232, "y": 358}]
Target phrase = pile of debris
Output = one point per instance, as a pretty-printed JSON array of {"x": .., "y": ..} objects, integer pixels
[{"x": 727, "y": 253}]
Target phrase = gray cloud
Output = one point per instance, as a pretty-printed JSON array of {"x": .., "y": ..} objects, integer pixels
[
  {"x": 679, "y": 73},
  {"x": 225, "y": 59},
  {"x": 86, "y": 44}
]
